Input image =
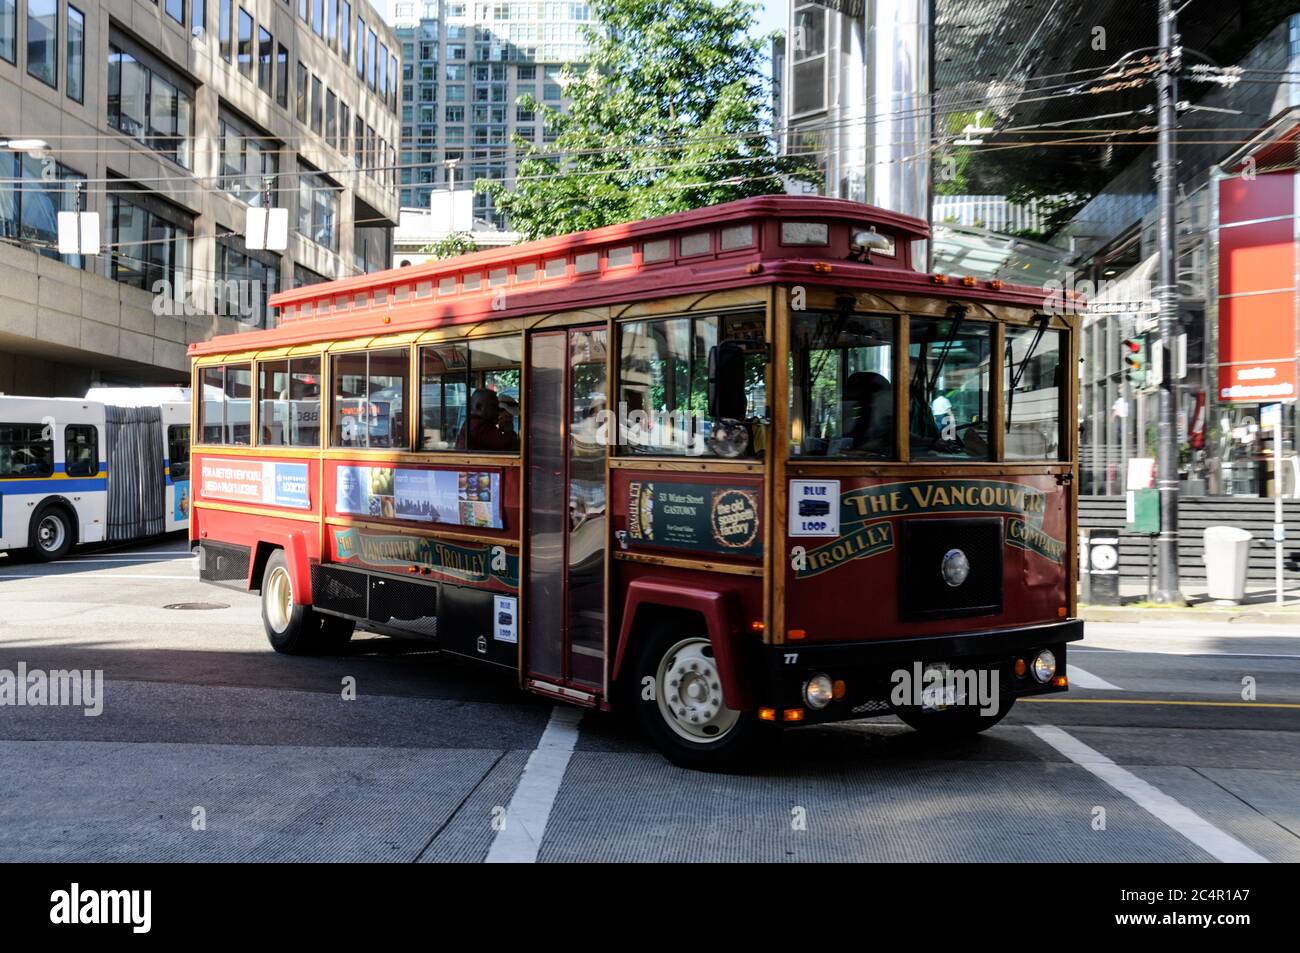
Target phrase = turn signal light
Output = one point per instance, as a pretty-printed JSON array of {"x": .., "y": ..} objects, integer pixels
[
  {"x": 757, "y": 625},
  {"x": 1021, "y": 668},
  {"x": 838, "y": 689},
  {"x": 793, "y": 714},
  {"x": 767, "y": 714},
  {"x": 796, "y": 634},
  {"x": 1061, "y": 681},
  {"x": 1061, "y": 612}
]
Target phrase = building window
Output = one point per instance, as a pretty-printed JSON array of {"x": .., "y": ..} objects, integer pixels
[
  {"x": 370, "y": 398},
  {"x": 223, "y": 412},
  {"x": 147, "y": 248},
  {"x": 301, "y": 91},
  {"x": 198, "y": 17},
  {"x": 43, "y": 40},
  {"x": 345, "y": 31},
  {"x": 282, "y": 76},
  {"x": 317, "y": 104},
  {"x": 225, "y": 36},
  {"x": 30, "y": 203},
  {"x": 248, "y": 158},
  {"x": 331, "y": 21},
  {"x": 302, "y": 11},
  {"x": 383, "y": 71},
  {"x": 76, "y": 54},
  {"x": 318, "y": 208},
  {"x": 359, "y": 142},
  {"x": 808, "y": 59},
  {"x": 318, "y": 17},
  {"x": 246, "y": 281},
  {"x": 265, "y": 67},
  {"x": 245, "y": 43},
  {"x": 331, "y": 129},
  {"x": 149, "y": 108},
  {"x": 361, "y": 50},
  {"x": 176, "y": 10},
  {"x": 371, "y": 41},
  {"x": 289, "y": 412},
  {"x": 9, "y": 30},
  {"x": 392, "y": 82},
  {"x": 345, "y": 127}
]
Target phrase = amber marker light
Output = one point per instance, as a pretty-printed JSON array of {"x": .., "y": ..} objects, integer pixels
[
  {"x": 754, "y": 267},
  {"x": 793, "y": 714},
  {"x": 794, "y": 635},
  {"x": 968, "y": 281},
  {"x": 822, "y": 267},
  {"x": 767, "y": 714},
  {"x": 1061, "y": 612},
  {"x": 996, "y": 284},
  {"x": 757, "y": 625},
  {"x": 939, "y": 279},
  {"x": 1020, "y": 668},
  {"x": 838, "y": 689},
  {"x": 1061, "y": 681}
]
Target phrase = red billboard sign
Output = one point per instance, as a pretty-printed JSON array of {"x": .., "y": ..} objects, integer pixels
[{"x": 1257, "y": 288}]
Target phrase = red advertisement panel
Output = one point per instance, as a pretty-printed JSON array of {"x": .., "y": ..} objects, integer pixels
[{"x": 1257, "y": 299}]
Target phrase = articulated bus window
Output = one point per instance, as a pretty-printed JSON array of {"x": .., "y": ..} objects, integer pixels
[
  {"x": 80, "y": 450},
  {"x": 948, "y": 416},
  {"x": 841, "y": 386},
  {"x": 178, "y": 451},
  {"x": 26, "y": 450},
  {"x": 469, "y": 395},
  {"x": 663, "y": 381},
  {"x": 1031, "y": 377},
  {"x": 370, "y": 398},
  {"x": 289, "y": 413}
]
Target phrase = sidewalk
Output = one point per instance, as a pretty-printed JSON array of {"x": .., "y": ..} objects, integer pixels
[{"x": 1259, "y": 607}]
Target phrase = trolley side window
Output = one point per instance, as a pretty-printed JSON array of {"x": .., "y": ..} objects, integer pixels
[
  {"x": 469, "y": 395},
  {"x": 26, "y": 450},
  {"x": 663, "y": 390},
  {"x": 289, "y": 412},
  {"x": 948, "y": 416},
  {"x": 370, "y": 398},
  {"x": 1032, "y": 379},
  {"x": 80, "y": 450},
  {"x": 224, "y": 409},
  {"x": 842, "y": 386},
  {"x": 178, "y": 452}
]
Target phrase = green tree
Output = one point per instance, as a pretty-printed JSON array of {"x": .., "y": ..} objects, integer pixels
[
  {"x": 670, "y": 113},
  {"x": 450, "y": 245}
]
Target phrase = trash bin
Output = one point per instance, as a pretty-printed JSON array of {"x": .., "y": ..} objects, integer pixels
[{"x": 1227, "y": 554}]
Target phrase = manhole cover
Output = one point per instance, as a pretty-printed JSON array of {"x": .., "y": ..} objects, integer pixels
[{"x": 198, "y": 605}]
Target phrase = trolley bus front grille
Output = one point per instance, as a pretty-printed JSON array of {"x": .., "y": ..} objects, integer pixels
[{"x": 923, "y": 592}]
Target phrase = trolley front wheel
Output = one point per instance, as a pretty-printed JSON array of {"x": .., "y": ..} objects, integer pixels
[{"x": 50, "y": 535}]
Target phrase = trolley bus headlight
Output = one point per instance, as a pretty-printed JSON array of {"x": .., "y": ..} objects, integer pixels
[
  {"x": 1044, "y": 666},
  {"x": 818, "y": 692},
  {"x": 956, "y": 567}
]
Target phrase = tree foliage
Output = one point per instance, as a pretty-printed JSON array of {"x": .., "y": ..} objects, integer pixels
[
  {"x": 670, "y": 113},
  {"x": 450, "y": 246}
]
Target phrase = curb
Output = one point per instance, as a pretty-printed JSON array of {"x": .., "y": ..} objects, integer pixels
[{"x": 1243, "y": 615}]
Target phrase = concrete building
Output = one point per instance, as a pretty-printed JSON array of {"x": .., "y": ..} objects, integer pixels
[
  {"x": 168, "y": 119},
  {"x": 465, "y": 64}
]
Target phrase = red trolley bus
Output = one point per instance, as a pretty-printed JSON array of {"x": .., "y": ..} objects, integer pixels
[{"x": 735, "y": 469}]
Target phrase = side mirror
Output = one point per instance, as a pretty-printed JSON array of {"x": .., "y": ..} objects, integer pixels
[{"x": 727, "y": 381}]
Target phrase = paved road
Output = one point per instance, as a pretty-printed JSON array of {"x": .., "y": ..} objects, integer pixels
[{"x": 203, "y": 726}]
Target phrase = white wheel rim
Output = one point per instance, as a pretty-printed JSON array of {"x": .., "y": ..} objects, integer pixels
[
  {"x": 50, "y": 533},
  {"x": 689, "y": 692},
  {"x": 279, "y": 599}
]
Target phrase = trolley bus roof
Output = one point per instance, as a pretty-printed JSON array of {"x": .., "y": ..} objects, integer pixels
[{"x": 756, "y": 241}]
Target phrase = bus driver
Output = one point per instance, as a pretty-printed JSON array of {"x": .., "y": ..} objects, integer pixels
[{"x": 490, "y": 426}]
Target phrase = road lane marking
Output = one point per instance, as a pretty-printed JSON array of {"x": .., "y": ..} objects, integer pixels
[
  {"x": 1215, "y": 842},
  {"x": 1083, "y": 679},
  {"x": 530, "y": 806},
  {"x": 1158, "y": 701},
  {"x": 84, "y": 577}
]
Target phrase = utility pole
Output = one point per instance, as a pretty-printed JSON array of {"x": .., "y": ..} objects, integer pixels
[{"x": 1168, "y": 590}]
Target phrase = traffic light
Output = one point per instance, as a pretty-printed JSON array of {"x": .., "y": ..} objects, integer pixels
[{"x": 1135, "y": 361}]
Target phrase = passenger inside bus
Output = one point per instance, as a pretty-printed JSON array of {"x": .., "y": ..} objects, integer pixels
[
  {"x": 869, "y": 417},
  {"x": 490, "y": 426}
]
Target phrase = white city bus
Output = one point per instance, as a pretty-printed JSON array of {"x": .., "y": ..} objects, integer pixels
[{"x": 111, "y": 467}]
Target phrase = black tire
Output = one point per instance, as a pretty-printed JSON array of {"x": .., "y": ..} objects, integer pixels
[
  {"x": 737, "y": 745},
  {"x": 50, "y": 535},
  {"x": 963, "y": 722},
  {"x": 290, "y": 628}
]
